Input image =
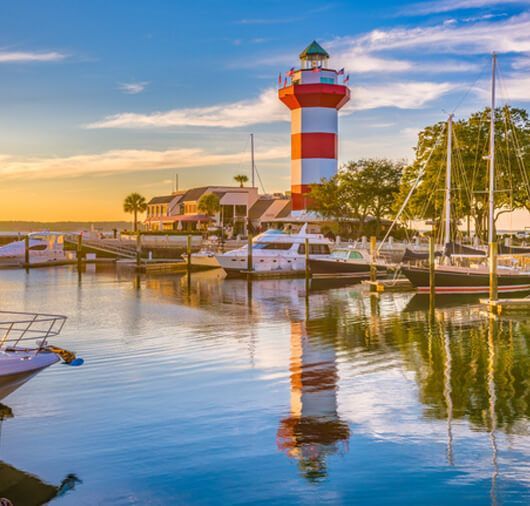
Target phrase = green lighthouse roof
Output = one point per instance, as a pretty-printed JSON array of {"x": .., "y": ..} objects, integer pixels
[{"x": 314, "y": 49}]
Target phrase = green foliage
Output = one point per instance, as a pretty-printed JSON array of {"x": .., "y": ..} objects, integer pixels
[
  {"x": 470, "y": 168},
  {"x": 241, "y": 179},
  {"x": 364, "y": 188},
  {"x": 135, "y": 203},
  {"x": 209, "y": 204}
]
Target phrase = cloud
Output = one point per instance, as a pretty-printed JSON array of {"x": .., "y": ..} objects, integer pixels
[
  {"x": 510, "y": 35},
  {"x": 454, "y": 5},
  {"x": 29, "y": 56},
  {"x": 264, "y": 109},
  {"x": 133, "y": 88},
  {"x": 122, "y": 161},
  {"x": 408, "y": 95}
]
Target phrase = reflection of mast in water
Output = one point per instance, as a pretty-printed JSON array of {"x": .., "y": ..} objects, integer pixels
[
  {"x": 447, "y": 396},
  {"x": 493, "y": 416},
  {"x": 313, "y": 429}
]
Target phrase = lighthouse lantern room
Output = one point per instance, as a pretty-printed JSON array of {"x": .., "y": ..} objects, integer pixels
[{"x": 314, "y": 97}]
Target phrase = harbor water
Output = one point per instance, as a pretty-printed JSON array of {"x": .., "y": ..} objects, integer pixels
[{"x": 203, "y": 390}]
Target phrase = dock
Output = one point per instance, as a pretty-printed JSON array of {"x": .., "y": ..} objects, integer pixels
[
  {"x": 501, "y": 306},
  {"x": 389, "y": 285}
]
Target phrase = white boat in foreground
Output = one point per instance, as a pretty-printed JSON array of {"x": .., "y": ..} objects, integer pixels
[
  {"x": 276, "y": 251},
  {"x": 43, "y": 247},
  {"x": 24, "y": 347}
]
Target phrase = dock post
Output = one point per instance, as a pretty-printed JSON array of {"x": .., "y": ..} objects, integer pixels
[
  {"x": 373, "y": 266},
  {"x": 26, "y": 251},
  {"x": 79, "y": 251},
  {"x": 493, "y": 271},
  {"x": 306, "y": 251},
  {"x": 188, "y": 252},
  {"x": 138, "y": 249},
  {"x": 249, "y": 253},
  {"x": 432, "y": 277}
]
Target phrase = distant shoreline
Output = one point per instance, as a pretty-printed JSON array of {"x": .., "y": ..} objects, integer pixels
[{"x": 62, "y": 226}]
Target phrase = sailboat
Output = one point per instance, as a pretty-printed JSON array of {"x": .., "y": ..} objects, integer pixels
[{"x": 478, "y": 278}]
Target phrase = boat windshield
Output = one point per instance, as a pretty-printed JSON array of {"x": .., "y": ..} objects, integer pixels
[
  {"x": 273, "y": 245},
  {"x": 344, "y": 254}
]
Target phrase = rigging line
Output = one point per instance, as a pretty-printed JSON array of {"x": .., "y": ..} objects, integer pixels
[
  {"x": 480, "y": 74},
  {"x": 516, "y": 142},
  {"x": 411, "y": 191},
  {"x": 259, "y": 178}
]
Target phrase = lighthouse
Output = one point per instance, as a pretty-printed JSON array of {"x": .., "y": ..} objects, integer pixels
[{"x": 314, "y": 97}]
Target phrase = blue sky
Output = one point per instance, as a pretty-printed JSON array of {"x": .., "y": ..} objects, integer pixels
[{"x": 101, "y": 98}]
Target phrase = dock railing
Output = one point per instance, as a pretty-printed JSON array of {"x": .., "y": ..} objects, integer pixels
[{"x": 18, "y": 327}]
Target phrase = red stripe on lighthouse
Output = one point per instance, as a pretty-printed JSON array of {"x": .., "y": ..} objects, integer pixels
[
  {"x": 314, "y": 95},
  {"x": 300, "y": 199},
  {"x": 313, "y": 145}
]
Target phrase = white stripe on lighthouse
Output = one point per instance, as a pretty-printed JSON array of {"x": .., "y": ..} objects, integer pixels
[
  {"x": 314, "y": 119},
  {"x": 312, "y": 170}
]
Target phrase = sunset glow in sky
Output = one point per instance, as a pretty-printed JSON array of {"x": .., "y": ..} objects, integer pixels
[{"x": 99, "y": 99}]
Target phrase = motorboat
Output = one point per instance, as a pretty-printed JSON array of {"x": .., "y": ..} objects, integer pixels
[
  {"x": 351, "y": 262},
  {"x": 204, "y": 259},
  {"x": 24, "y": 347},
  {"x": 276, "y": 251},
  {"x": 43, "y": 247}
]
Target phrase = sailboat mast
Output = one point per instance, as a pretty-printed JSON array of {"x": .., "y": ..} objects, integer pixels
[
  {"x": 252, "y": 159},
  {"x": 447, "y": 235},
  {"x": 491, "y": 229},
  {"x": 491, "y": 224}
]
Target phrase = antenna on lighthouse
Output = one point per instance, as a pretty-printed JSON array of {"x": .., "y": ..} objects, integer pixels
[{"x": 252, "y": 159}]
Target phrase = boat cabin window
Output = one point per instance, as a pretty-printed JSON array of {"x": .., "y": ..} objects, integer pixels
[
  {"x": 273, "y": 245},
  {"x": 355, "y": 255},
  {"x": 314, "y": 249},
  {"x": 38, "y": 247}
]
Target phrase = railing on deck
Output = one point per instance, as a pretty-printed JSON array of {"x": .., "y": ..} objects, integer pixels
[{"x": 17, "y": 327}]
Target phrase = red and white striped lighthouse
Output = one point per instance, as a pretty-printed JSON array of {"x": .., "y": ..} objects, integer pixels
[{"x": 314, "y": 98}]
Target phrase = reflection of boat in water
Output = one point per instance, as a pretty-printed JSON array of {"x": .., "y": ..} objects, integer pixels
[
  {"x": 276, "y": 251},
  {"x": 43, "y": 247},
  {"x": 344, "y": 261},
  {"x": 19, "y": 361},
  {"x": 313, "y": 430},
  {"x": 22, "y": 488}
]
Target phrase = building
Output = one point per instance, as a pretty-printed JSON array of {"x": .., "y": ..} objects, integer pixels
[
  {"x": 314, "y": 97},
  {"x": 180, "y": 210}
]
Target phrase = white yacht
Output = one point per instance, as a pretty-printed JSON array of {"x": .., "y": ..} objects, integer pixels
[
  {"x": 276, "y": 251},
  {"x": 24, "y": 348},
  {"x": 43, "y": 247}
]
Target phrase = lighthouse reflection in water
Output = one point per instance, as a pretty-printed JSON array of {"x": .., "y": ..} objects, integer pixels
[{"x": 313, "y": 430}]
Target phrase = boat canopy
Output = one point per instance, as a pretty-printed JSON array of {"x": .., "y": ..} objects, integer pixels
[{"x": 454, "y": 248}]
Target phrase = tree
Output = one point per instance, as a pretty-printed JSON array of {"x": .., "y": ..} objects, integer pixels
[
  {"x": 135, "y": 203},
  {"x": 470, "y": 168},
  {"x": 241, "y": 179},
  {"x": 209, "y": 204},
  {"x": 364, "y": 188}
]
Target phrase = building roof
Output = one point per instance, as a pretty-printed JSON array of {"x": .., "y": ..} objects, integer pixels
[
  {"x": 314, "y": 49},
  {"x": 286, "y": 211},
  {"x": 259, "y": 207},
  {"x": 163, "y": 199},
  {"x": 194, "y": 194}
]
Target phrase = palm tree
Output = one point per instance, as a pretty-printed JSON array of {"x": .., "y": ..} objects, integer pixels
[
  {"x": 241, "y": 179},
  {"x": 134, "y": 203},
  {"x": 209, "y": 204}
]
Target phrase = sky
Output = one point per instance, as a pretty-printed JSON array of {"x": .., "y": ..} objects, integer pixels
[{"x": 99, "y": 99}]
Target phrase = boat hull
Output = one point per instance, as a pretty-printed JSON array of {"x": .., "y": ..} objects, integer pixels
[
  {"x": 16, "y": 368},
  {"x": 447, "y": 281},
  {"x": 326, "y": 266}
]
